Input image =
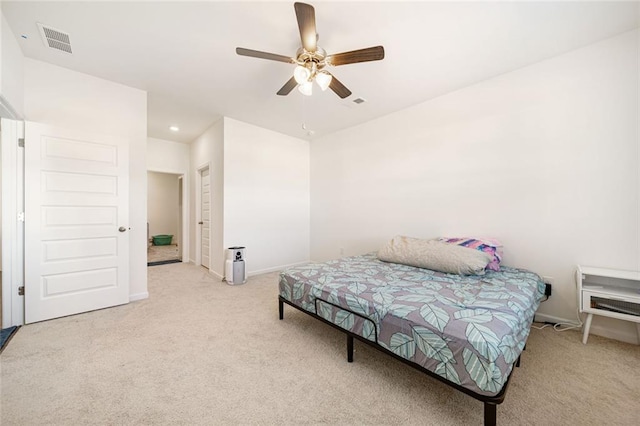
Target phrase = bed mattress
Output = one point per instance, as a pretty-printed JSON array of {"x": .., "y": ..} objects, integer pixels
[{"x": 468, "y": 329}]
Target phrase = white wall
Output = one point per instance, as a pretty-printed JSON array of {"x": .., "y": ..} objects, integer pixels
[
  {"x": 11, "y": 72},
  {"x": 208, "y": 149},
  {"x": 1, "y": 223},
  {"x": 1, "y": 197},
  {"x": 544, "y": 158},
  {"x": 162, "y": 204},
  {"x": 12, "y": 107},
  {"x": 69, "y": 99},
  {"x": 259, "y": 195},
  {"x": 266, "y": 196},
  {"x": 167, "y": 156}
]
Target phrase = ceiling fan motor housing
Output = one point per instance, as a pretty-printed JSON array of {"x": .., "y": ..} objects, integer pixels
[
  {"x": 311, "y": 59},
  {"x": 308, "y": 59}
]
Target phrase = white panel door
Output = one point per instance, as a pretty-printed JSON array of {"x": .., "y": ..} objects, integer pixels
[
  {"x": 76, "y": 222},
  {"x": 205, "y": 216}
]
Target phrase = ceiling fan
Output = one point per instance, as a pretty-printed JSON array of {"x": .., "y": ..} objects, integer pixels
[{"x": 311, "y": 59}]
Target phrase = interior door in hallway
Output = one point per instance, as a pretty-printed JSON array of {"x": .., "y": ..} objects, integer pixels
[
  {"x": 76, "y": 222},
  {"x": 205, "y": 216}
]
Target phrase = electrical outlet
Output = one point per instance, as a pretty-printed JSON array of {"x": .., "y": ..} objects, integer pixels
[{"x": 548, "y": 283}]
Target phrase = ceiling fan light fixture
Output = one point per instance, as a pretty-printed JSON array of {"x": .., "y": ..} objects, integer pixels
[
  {"x": 310, "y": 59},
  {"x": 306, "y": 88},
  {"x": 301, "y": 74},
  {"x": 324, "y": 80}
]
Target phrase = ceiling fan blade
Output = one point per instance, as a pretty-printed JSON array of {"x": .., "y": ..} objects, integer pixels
[
  {"x": 339, "y": 88},
  {"x": 288, "y": 87},
  {"x": 361, "y": 55},
  {"x": 306, "y": 15},
  {"x": 264, "y": 55}
]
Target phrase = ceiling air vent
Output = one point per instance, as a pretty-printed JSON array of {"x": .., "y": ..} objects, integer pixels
[
  {"x": 359, "y": 101},
  {"x": 55, "y": 39}
]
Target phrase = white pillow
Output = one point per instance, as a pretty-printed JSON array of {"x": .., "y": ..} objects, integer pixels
[{"x": 434, "y": 255}]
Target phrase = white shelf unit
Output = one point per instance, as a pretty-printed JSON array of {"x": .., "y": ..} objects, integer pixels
[{"x": 608, "y": 292}]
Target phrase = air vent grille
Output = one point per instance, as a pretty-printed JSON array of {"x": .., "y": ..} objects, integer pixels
[
  {"x": 56, "y": 35},
  {"x": 359, "y": 101},
  {"x": 54, "y": 44},
  {"x": 55, "y": 39}
]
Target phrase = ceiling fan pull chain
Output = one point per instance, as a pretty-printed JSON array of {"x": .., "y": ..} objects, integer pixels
[{"x": 304, "y": 114}]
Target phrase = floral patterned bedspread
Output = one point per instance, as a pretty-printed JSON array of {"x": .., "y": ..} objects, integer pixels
[{"x": 468, "y": 329}]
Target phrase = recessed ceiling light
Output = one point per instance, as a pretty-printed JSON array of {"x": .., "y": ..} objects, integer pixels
[{"x": 174, "y": 128}]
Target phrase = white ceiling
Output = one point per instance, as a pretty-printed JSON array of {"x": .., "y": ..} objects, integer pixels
[{"x": 183, "y": 54}]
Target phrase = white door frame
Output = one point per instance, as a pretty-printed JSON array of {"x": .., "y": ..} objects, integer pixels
[
  {"x": 12, "y": 227},
  {"x": 185, "y": 207},
  {"x": 198, "y": 206},
  {"x": 181, "y": 211}
]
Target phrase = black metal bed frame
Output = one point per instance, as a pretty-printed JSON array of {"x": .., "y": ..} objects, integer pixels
[{"x": 490, "y": 402}]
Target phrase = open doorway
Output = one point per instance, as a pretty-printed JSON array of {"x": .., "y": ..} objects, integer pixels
[{"x": 165, "y": 202}]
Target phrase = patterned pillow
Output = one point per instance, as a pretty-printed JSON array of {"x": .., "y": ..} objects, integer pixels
[
  {"x": 435, "y": 255},
  {"x": 490, "y": 246}
]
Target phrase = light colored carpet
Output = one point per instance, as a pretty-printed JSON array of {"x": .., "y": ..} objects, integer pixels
[{"x": 201, "y": 352}]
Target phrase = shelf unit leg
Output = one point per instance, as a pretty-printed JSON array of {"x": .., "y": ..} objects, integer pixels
[{"x": 585, "y": 328}]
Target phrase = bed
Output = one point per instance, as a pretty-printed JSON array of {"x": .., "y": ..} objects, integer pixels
[{"x": 467, "y": 331}]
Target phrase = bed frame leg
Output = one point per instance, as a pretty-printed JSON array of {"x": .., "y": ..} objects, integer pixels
[
  {"x": 489, "y": 414},
  {"x": 518, "y": 362},
  {"x": 281, "y": 308},
  {"x": 349, "y": 348}
]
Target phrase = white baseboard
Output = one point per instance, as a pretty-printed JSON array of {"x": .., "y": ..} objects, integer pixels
[
  {"x": 216, "y": 275},
  {"x": 260, "y": 271},
  {"x": 138, "y": 296},
  {"x": 599, "y": 330},
  {"x": 276, "y": 268},
  {"x": 550, "y": 318},
  {"x": 612, "y": 333}
]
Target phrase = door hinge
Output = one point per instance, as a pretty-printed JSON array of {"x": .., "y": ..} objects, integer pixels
[
  {"x": 21, "y": 216},
  {"x": 21, "y": 143},
  {"x": 21, "y": 291}
]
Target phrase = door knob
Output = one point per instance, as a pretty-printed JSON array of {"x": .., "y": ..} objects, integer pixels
[
  {"x": 122, "y": 229},
  {"x": 200, "y": 223}
]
